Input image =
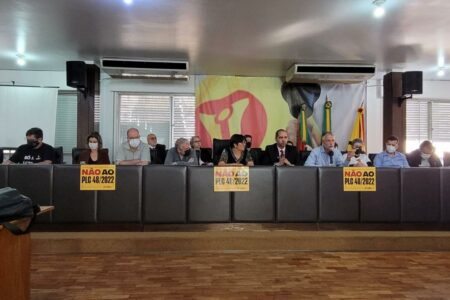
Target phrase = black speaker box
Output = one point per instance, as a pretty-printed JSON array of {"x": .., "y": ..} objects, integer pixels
[
  {"x": 76, "y": 74},
  {"x": 412, "y": 83}
]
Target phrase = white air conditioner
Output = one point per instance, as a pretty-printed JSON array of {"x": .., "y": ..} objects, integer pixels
[
  {"x": 338, "y": 73},
  {"x": 145, "y": 68}
]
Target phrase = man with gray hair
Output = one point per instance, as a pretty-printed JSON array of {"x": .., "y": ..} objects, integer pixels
[
  {"x": 181, "y": 154},
  {"x": 133, "y": 151},
  {"x": 327, "y": 155}
]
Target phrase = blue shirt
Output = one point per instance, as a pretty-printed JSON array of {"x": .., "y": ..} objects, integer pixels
[
  {"x": 383, "y": 159},
  {"x": 319, "y": 158}
]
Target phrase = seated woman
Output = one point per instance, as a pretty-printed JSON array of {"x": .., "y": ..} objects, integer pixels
[
  {"x": 358, "y": 158},
  {"x": 236, "y": 154},
  {"x": 95, "y": 154}
]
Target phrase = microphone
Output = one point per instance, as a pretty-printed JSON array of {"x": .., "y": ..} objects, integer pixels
[
  {"x": 358, "y": 152},
  {"x": 331, "y": 157}
]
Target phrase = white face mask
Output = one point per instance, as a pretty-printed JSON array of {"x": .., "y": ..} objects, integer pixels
[
  {"x": 425, "y": 156},
  {"x": 93, "y": 146},
  {"x": 134, "y": 143},
  {"x": 390, "y": 148}
]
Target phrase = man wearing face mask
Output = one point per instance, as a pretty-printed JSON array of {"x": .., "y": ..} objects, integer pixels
[
  {"x": 181, "y": 154},
  {"x": 34, "y": 151},
  {"x": 424, "y": 156},
  {"x": 391, "y": 157},
  {"x": 358, "y": 157},
  {"x": 327, "y": 155},
  {"x": 133, "y": 151}
]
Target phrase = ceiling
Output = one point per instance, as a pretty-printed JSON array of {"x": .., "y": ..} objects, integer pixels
[{"x": 227, "y": 37}]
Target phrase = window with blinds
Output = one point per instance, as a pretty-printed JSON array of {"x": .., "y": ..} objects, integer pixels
[
  {"x": 167, "y": 116},
  {"x": 66, "y": 121},
  {"x": 97, "y": 113},
  {"x": 183, "y": 117},
  {"x": 428, "y": 120}
]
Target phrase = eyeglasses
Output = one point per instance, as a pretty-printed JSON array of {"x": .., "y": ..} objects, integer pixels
[
  {"x": 153, "y": 138},
  {"x": 198, "y": 141}
]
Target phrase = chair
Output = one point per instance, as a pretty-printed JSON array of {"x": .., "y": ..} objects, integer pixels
[
  {"x": 59, "y": 155},
  {"x": 302, "y": 157},
  {"x": 218, "y": 146},
  {"x": 76, "y": 155},
  {"x": 206, "y": 155},
  {"x": 446, "y": 159},
  {"x": 257, "y": 155},
  {"x": 372, "y": 156}
]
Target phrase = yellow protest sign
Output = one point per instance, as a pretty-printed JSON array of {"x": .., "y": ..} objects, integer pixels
[
  {"x": 97, "y": 177},
  {"x": 231, "y": 179},
  {"x": 360, "y": 179}
]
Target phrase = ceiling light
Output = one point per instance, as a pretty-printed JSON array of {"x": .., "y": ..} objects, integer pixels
[
  {"x": 128, "y": 2},
  {"x": 21, "y": 60},
  {"x": 441, "y": 72},
  {"x": 378, "y": 12}
]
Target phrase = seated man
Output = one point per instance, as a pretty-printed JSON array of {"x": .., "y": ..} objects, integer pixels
[
  {"x": 133, "y": 151},
  {"x": 391, "y": 157},
  {"x": 358, "y": 157},
  {"x": 34, "y": 151},
  {"x": 424, "y": 156},
  {"x": 280, "y": 153},
  {"x": 181, "y": 154},
  {"x": 327, "y": 155},
  {"x": 248, "y": 140},
  {"x": 196, "y": 144},
  {"x": 157, "y": 151}
]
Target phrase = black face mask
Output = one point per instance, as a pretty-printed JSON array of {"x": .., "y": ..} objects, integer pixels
[
  {"x": 248, "y": 145},
  {"x": 32, "y": 143},
  {"x": 187, "y": 153}
]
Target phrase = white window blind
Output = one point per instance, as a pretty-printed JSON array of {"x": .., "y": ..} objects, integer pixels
[
  {"x": 66, "y": 121},
  {"x": 147, "y": 113},
  {"x": 417, "y": 123},
  {"x": 440, "y": 124},
  {"x": 428, "y": 120},
  {"x": 168, "y": 116},
  {"x": 183, "y": 122},
  {"x": 97, "y": 113}
]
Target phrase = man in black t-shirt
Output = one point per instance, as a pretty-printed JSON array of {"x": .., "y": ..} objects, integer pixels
[{"x": 34, "y": 151}]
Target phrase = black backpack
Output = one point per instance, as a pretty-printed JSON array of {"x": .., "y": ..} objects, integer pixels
[{"x": 15, "y": 206}]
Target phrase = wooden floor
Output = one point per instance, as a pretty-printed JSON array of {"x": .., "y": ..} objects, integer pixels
[{"x": 242, "y": 275}]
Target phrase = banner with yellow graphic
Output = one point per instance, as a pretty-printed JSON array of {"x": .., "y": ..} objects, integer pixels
[
  {"x": 97, "y": 177},
  {"x": 231, "y": 179},
  {"x": 359, "y": 179},
  {"x": 259, "y": 106}
]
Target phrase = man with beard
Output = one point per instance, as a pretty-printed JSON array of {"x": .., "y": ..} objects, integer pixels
[{"x": 34, "y": 151}]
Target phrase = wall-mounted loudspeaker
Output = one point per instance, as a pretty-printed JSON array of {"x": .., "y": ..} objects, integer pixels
[
  {"x": 76, "y": 74},
  {"x": 412, "y": 83}
]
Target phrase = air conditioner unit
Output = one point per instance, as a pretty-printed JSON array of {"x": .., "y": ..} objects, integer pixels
[
  {"x": 333, "y": 73},
  {"x": 145, "y": 68}
]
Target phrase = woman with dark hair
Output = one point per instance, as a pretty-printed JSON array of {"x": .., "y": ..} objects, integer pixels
[
  {"x": 237, "y": 154},
  {"x": 424, "y": 156},
  {"x": 95, "y": 155}
]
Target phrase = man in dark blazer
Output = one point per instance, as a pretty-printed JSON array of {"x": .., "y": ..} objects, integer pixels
[
  {"x": 281, "y": 154},
  {"x": 157, "y": 151}
]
